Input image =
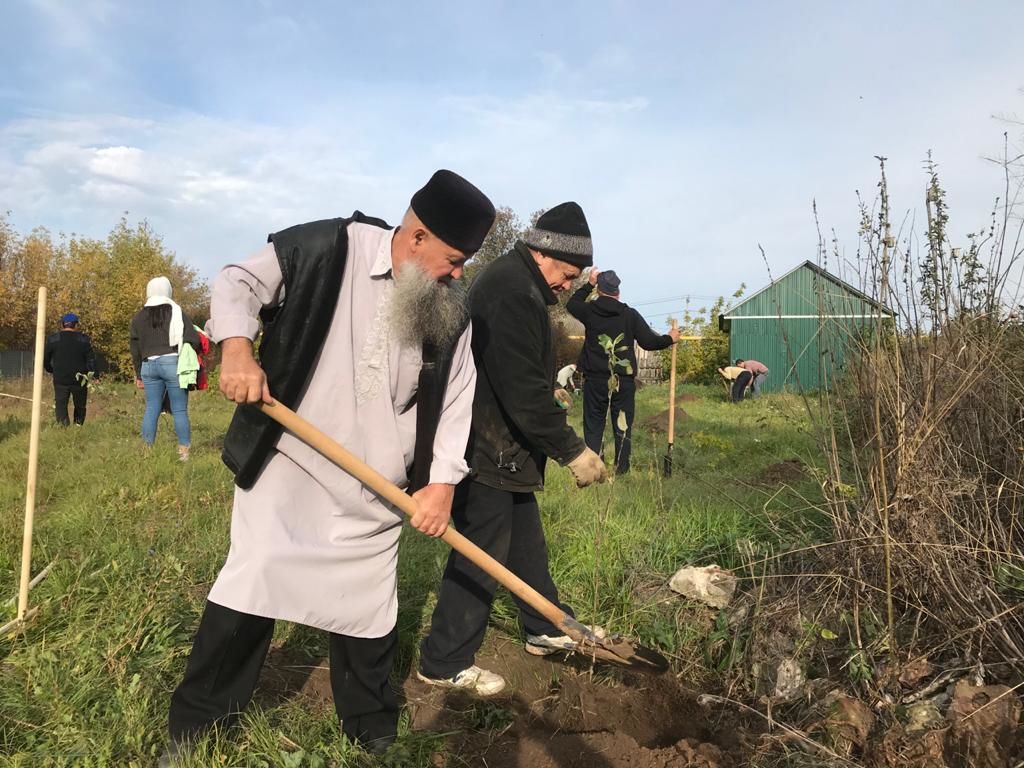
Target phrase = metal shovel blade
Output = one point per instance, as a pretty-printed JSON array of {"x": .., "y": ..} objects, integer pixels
[{"x": 614, "y": 649}]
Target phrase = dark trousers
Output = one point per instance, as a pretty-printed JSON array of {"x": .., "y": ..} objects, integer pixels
[
  {"x": 740, "y": 385},
  {"x": 506, "y": 526},
  {"x": 225, "y": 663},
  {"x": 61, "y": 394},
  {"x": 595, "y": 408}
]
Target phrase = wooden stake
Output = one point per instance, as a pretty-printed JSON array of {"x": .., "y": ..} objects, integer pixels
[
  {"x": 667, "y": 469},
  {"x": 33, "y": 458},
  {"x": 35, "y": 580},
  {"x": 17, "y": 623}
]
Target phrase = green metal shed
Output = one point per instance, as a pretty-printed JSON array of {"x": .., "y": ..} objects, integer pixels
[{"x": 800, "y": 326}]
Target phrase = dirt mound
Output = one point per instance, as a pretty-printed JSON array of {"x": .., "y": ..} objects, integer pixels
[
  {"x": 599, "y": 750},
  {"x": 782, "y": 473},
  {"x": 555, "y": 713},
  {"x": 558, "y": 714},
  {"x": 658, "y": 422}
]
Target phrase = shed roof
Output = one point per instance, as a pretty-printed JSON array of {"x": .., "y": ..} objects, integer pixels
[{"x": 742, "y": 310}]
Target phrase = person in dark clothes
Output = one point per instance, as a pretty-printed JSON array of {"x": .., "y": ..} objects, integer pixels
[
  {"x": 607, "y": 315},
  {"x": 739, "y": 379},
  {"x": 69, "y": 356},
  {"x": 516, "y": 426}
]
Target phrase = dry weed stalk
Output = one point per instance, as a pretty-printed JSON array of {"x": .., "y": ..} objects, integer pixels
[{"x": 926, "y": 438}]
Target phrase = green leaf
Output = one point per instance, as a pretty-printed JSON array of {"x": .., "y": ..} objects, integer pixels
[{"x": 828, "y": 634}]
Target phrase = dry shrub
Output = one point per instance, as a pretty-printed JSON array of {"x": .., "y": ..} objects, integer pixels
[{"x": 926, "y": 445}]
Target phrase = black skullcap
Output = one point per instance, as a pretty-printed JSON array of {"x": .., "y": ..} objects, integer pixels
[
  {"x": 454, "y": 210},
  {"x": 608, "y": 282},
  {"x": 563, "y": 234}
]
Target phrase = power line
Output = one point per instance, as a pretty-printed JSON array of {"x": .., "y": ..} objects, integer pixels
[
  {"x": 672, "y": 298},
  {"x": 663, "y": 314}
]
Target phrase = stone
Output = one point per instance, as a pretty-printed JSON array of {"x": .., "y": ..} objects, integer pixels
[
  {"x": 789, "y": 680},
  {"x": 710, "y": 585}
]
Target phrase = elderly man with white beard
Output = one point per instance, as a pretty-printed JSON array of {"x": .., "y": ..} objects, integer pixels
[{"x": 365, "y": 334}]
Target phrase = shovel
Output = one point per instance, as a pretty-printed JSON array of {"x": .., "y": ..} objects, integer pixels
[
  {"x": 667, "y": 465},
  {"x": 613, "y": 648}
]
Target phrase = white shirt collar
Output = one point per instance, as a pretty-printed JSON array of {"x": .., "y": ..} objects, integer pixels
[{"x": 382, "y": 262}]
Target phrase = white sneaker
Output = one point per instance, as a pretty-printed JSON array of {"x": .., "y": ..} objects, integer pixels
[
  {"x": 545, "y": 645},
  {"x": 481, "y": 681}
]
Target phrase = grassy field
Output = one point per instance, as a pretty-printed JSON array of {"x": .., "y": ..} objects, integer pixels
[{"x": 137, "y": 538}]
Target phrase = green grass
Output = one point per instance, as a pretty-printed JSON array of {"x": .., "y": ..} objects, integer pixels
[{"x": 137, "y": 538}]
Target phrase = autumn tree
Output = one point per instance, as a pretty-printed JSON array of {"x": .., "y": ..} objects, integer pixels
[
  {"x": 25, "y": 264},
  {"x": 103, "y": 281},
  {"x": 507, "y": 228}
]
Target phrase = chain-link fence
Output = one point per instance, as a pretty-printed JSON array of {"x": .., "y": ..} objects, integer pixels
[{"x": 15, "y": 364}]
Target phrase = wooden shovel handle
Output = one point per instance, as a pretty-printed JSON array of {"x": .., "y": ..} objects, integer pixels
[
  {"x": 672, "y": 394},
  {"x": 390, "y": 492}
]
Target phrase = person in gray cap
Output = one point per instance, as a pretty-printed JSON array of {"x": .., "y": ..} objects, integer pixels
[
  {"x": 517, "y": 426},
  {"x": 365, "y": 334},
  {"x": 606, "y": 315}
]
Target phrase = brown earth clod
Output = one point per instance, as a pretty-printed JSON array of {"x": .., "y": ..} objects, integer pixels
[
  {"x": 658, "y": 423},
  {"x": 782, "y": 473}
]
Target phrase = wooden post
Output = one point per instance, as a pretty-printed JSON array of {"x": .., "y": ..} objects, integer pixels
[
  {"x": 667, "y": 468},
  {"x": 33, "y": 458}
]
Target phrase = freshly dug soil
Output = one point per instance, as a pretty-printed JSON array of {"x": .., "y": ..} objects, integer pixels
[
  {"x": 782, "y": 473},
  {"x": 658, "y": 423},
  {"x": 555, "y": 713},
  {"x": 558, "y": 714}
]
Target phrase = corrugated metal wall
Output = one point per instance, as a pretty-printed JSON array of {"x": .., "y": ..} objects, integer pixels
[
  {"x": 801, "y": 353},
  {"x": 806, "y": 351}
]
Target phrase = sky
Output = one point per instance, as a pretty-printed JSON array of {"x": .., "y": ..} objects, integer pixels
[{"x": 690, "y": 133}]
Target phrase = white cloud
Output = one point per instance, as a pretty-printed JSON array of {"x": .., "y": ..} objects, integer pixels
[
  {"x": 688, "y": 140},
  {"x": 122, "y": 164}
]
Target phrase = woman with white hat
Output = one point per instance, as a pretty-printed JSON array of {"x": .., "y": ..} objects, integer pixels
[{"x": 158, "y": 332}]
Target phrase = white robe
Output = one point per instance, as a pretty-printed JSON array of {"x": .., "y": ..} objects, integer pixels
[{"x": 309, "y": 544}]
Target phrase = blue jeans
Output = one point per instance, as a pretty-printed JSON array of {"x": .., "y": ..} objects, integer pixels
[
  {"x": 757, "y": 383},
  {"x": 159, "y": 376}
]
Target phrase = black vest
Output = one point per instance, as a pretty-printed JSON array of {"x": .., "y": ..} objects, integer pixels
[{"x": 312, "y": 258}]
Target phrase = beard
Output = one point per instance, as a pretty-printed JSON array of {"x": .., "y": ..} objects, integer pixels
[{"x": 425, "y": 310}]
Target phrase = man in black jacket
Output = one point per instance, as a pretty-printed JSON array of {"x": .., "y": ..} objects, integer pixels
[
  {"x": 607, "y": 316},
  {"x": 517, "y": 425},
  {"x": 69, "y": 356}
]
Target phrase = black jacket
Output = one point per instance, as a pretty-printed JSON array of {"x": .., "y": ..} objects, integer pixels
[
  {"x": 147, "y": 341},
  {"x": 516, "y": 423},
  {"x": 312, "y": 257},
  {"x": 605, "y": 315},
  {"x": 68, "y": 353}
]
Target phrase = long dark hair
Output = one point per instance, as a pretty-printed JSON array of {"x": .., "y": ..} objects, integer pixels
[{"x": 159, "y": 315}]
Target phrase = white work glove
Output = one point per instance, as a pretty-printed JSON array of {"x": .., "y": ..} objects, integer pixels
[{"x": 588, "y": 468}]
